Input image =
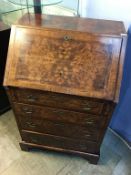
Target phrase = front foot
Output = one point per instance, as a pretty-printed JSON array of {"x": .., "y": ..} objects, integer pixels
[{"x": 24, "y": 147}]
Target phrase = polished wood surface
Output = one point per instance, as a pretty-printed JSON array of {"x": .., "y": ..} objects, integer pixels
[
  {"x": 63, "y": 81},
  {"x": 51, "y": 99},
  {"x": 59, "y": 142},
  {"x": 67, "y": 62},
  {"x": 55, "y": 114},
  {"x": 92, "y": 26}
]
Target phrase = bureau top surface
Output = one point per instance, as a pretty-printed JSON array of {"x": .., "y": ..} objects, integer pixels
[
  {"x": 106, "y": 27},
  {"x": 65, "y": 61}
]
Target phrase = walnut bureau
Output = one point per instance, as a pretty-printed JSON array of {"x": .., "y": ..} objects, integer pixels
[{"x": 63, "y": 78}]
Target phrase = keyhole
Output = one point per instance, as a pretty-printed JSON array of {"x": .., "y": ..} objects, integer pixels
[{"x": 60, "y": 73}]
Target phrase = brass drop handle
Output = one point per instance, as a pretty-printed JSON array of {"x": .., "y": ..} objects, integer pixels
[
  {"x": 87, "y": 109},
  {"x": 34, "y": 140},
  {"x": 89, "y": 122},
  {"x": 87, "y": 135},
  {"x": 67, "y": 38},
  {"x": 31, "y": 98},
  {"x": 86, "y": 106},
  {"x": 30, "y": 124},
  {"x": 27, "y": 110}
]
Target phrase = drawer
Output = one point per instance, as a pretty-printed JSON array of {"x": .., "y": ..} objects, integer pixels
[
  {"x": 58, "y": 115},
  {"x": 59, "y": 129},
  {"x": 51, "y": 99},
  {"x": 57, "y": 122},
  {"x": 60, "y": 142}
]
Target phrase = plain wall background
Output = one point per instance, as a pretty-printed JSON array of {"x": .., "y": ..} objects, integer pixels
[
  {"x": 103, "y": 9},
  {"x": 110, "y": 9},
  {"x": 70, "y": 4}
]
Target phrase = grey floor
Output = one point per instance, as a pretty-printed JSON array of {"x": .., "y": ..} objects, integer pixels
[{"x": 115, "y": 156}]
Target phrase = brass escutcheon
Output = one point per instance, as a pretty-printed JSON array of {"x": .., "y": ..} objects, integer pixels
[{"x": 66, "y": 38}]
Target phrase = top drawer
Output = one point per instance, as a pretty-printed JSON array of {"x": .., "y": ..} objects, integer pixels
[{"x": 51, "y": 99}]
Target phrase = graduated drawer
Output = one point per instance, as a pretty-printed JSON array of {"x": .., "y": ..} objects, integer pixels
[
  {"x": 59, "y": 129},
  {"x": 34, "y": 112},
  {"x": 39, "y": 123},
  {"x": 60, "y": 142},
  {"x": 51, "y": 99}
]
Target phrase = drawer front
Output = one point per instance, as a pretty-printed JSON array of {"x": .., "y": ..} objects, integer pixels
[
  {"x": 60, "y": 142},
  {"x": 59, "y": 129},
  {"x": 48, "y": 120},
  {"x": 58, "y": 115},
  {"x": 81, "y": 104}
]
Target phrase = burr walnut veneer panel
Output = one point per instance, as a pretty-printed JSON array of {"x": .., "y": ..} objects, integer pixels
[{"x": 65, "y": 61}]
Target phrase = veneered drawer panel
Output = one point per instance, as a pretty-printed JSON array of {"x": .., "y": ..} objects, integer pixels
[
  {"x": 59, "y": 129},
  {"x": 59, "y": 142},
  {"x": 57, "y": 115},
  {"x": 57, "y": 100}
]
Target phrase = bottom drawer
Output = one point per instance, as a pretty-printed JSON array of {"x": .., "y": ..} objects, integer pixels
[{"x": 60, "y": 142}]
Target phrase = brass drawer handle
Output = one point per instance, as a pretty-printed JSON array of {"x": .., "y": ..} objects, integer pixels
[
  {"x": 86, "y": 106},
  {"x": 31, "y": 98},
  {"x": 87, "y": 135},
  {"x": 30, "y": 124},
  {"x": 34, "y": 140},
  {"x": 86, "y": 103},
  {"x": 87, "y": 109},
  {"x": 90, "y": 123},
  {"x": 27, "y": 110},
  {"x": 67, "y": 38}
]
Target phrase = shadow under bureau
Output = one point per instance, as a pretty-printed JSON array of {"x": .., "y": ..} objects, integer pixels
[
  {"x": 63, "y": 77},
  {"x": 4, "y": 41}
]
